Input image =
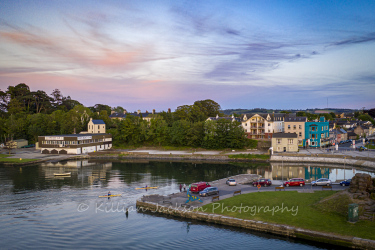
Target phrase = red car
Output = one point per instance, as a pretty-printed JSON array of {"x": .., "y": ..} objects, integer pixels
[
  {"x": 262, "y": 182},
  {"x": 199, "y": 186},
  {"x": 295, "y": 182}
]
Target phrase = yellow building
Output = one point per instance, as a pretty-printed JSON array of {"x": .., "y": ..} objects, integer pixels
[
  {"x": 285, "y": 142},
  {"x": 296, "y": 124}
]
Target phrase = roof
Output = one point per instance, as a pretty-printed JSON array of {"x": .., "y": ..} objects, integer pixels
[
  {"x": 225, "y": 118},
  {"x": 75, "y": 135},
  {"x": 295, "y": 119},
  {"x": 98, "y": 121},
  {"x": 352, "y": 134},
  {"x": 20, "y": 140},
  {"x": 273, "y": 117},
  {"x": 284, "y": 135},
  {"x": 123, "y": 116}
]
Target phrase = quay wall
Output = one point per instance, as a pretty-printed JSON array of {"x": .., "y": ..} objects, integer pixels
[
  {"x": 277, "y": 229},
  {"x": 367, "y": 163}
]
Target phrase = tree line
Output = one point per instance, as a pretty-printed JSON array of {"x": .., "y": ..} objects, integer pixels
[{"x": 26, "y": 114}]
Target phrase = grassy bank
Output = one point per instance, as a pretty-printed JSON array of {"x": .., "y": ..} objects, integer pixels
[
  {"x": 250, "y": 156},
  {"x": 315, "y": 211},
  {"x": 4, "y": 158}
]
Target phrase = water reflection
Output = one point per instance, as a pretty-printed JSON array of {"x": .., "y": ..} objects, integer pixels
[
  {"x": 86, "y": 173},
  {"x": 48, "y": 211}
]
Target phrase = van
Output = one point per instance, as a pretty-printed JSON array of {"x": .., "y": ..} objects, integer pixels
[{"x": 199, "y": 186}]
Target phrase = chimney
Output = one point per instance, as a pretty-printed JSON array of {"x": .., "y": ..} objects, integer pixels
[
  {"x": 153, "y": 111},
  {"x": 146, "y": 112},
  {"x": 169, "y": 110},
  {"x": 75, "y": 130},
  {"x": 138, "y": 111},
  {"x": 125, "y": 111},
  {"x": 112, "y": 112}
]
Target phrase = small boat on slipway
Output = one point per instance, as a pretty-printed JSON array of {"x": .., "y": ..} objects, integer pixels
[{"x": 62, "y": 174}]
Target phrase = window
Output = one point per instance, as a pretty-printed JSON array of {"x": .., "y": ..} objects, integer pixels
[
  {"x": 294, "y": 126},
  {"x": 98, "y": 126},
  {"x": 300, "y": 134},
  {"x": 288, "y": 126},
  {"x": 278, "y": 141},
  {"x": 290, "y": 141},
  {"x": 300, "y": 126}
]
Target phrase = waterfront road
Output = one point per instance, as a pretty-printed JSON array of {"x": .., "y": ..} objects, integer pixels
[{"x": 226, "y": 191}]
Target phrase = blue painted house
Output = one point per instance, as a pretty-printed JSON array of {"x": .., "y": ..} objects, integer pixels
[{"x": 316, "y": 133}]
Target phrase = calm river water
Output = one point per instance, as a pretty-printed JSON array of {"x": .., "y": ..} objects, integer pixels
[{"x": 38, "y": 210}]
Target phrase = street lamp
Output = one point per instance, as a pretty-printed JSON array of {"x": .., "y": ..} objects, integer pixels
[
  {"x": 282, "y": 168},
  {"x": 344, "y": 167}
]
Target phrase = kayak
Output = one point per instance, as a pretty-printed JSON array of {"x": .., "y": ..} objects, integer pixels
[
  {"x": 147, "y": 188},
  {"x": 112, "y": 195},
  {"x": 63, "y": 174}
]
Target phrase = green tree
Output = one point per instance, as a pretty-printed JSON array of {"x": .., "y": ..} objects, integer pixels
[
  {"x": 158, "y": 131},
  {"x": 209, "y": 107}
]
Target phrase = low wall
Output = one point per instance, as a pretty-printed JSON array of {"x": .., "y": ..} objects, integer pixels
[
  {"x": 330, "y": 160},
  {"x": 277, "y": 229}
]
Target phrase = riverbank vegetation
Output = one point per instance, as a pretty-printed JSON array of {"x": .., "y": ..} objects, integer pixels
[
  {"x": 4, "y": 158},
  {"x": 323, "y": 211},
  {"x": 26, "y": 114}
]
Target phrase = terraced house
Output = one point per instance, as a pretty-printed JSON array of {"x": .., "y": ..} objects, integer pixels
[
  {"x": 262, "y": 126},
  {"x": 316, "y": 133},
  {"x": 295, "y": 124}
]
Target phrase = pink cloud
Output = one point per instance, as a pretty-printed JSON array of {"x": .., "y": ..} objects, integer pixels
[{"x": 80, "y": 54}]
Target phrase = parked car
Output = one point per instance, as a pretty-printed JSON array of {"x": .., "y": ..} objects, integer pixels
[
  {"x": 346, "y": 182},
  {"x": 231, "y": 182},
  {"x": 321, "y": 182},
  {"x": 295, "y": 182},
  {"x": 209, "y": 191},
  {"x": 262, "y": 182},
  {"x": 199, "y": 186}
]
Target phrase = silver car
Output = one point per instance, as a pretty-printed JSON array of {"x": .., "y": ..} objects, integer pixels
[{"x": 321, "y": 182}]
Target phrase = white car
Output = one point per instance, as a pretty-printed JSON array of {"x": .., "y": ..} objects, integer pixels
[{"x": 231, "y": 182}]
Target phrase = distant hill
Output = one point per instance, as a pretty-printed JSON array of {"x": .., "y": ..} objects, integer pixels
[{"x": 262, "y": 110}]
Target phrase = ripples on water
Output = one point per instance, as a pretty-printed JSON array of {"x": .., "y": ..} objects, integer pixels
[{"x": 40, "y": 211}]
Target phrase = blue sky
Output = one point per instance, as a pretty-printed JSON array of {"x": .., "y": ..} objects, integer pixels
[{"x": 162, "y": 54}]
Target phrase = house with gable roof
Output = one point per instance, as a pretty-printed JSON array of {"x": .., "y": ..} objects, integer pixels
[
  {"x": 96, "y": 127},
  {"x": 262, "y": 126},
  {"x": 145, "y": 116}
]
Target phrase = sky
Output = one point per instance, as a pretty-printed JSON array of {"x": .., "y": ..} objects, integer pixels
[{"x": 157, "y": 54}]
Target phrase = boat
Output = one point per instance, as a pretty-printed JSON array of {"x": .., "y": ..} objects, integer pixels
[
  {"x": 62, "y": 174},
  {"x": 112, "y": 195},
  {"x": 147, "y": 188}
]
